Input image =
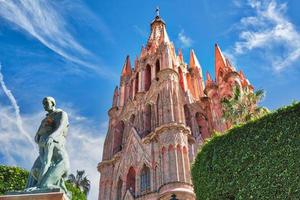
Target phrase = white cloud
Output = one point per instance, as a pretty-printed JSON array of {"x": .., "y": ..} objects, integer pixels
[
  {"x": 10, "y": 96},
  {"x": 84, "y": 141},
  {"x": 42, "y": 20},
  {"x": 85, "y": 145},
  {"x": 237, "y": 3},
  {"x": 269, "y": 30},
  {"x": 184, "y": 40}
]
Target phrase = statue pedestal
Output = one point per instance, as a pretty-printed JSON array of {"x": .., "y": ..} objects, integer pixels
[{"x": 36, "y": 196}]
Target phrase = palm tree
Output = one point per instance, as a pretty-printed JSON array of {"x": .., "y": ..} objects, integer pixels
[
  {"x": 80, "y": 181},
  {"x": 242, "y": 107}
]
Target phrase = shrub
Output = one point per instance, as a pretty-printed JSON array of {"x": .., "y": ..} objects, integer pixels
[{"x": 258, "y": 160}]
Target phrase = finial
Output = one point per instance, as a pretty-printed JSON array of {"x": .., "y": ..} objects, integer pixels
[{"x": 157, "y": 11}]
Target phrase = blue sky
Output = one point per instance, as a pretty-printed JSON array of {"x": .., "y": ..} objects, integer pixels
[{"x": 73, "y": 50}]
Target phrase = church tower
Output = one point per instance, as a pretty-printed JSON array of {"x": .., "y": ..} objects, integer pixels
[{"x": 161, "y": 113}]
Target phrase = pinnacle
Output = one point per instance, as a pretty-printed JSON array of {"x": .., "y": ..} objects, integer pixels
[
  {"x": 180, "y": 56},
  {"x": 127, "y": 67},
  {"x": 193, "y": 60},
  {"x": 208, "y": 79}
]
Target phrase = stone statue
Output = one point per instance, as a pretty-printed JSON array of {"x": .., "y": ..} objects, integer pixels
[{"x": 51, "y": 167}]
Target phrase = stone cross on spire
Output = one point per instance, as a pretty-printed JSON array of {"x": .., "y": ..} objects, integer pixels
[{"x": 157, "y": 11}]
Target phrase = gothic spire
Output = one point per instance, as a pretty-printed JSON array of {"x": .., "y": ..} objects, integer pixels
[
  {"x": 158, "y": 33},
  {"x": 180, "y": 56},
  {"x": 126, "y": 67},
  {"x": 115, "y": 97},
  {"x": 136, "y": 63},
  {"x": 208, "y": 79},
  {"x": 220, "y": 61},
  {"x": 193, "y": 60}
]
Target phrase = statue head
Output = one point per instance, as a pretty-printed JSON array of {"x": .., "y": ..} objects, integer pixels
[{"x": 49, "y": 104}]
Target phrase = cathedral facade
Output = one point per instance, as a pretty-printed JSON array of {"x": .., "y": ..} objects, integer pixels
[{"x": 161, "y": 114}]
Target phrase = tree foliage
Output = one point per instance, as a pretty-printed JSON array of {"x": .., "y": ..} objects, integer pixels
[
  {"x": 242, "y": 106},
  {"x": 257, "y": 160},
  {"x": 77, "y": 194},
  {"x": 15, "y": 179},
  {"x": 80, "y": 181}
]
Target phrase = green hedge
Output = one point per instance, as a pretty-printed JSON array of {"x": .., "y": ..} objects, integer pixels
[
  {"x": 258, "y": 160},
  {"x": 12, "y": 178},
  {"x": 15, "y": 178}
]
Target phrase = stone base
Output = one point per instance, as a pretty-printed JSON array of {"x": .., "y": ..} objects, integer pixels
[{"x": 37, "y": 196}]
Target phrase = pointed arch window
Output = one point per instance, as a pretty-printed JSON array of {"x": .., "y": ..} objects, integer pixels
[
  {"x": 158, "y": 116},
  {"x": 187, "y": 115},
  {"x": 147, "y": 119},
  {"x": 130, "y": 182},
  {"x": 132, "y": 118},
  {"x": 202, "y": 124},
  {"x": 145, "y": 179},
  {"x": 147, "y": 77},
  {"x": 118, "y": 137},
  {"x": 157, "y": 68},
  {"x": 136, "y": 89}
]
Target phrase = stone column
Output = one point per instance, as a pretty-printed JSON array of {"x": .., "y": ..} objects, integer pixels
[
  {"x": 176, "y": 178},
  {"x": 169, "y": 166},
  {"x": 186, "y": 164},
  {"x": 172, "y": 166},
  {"x": 138, "y": 183},
  {"x": 181, "y": 164}
]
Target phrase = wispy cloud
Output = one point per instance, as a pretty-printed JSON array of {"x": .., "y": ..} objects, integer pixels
[
  {"x": 271, "y": 31},
  {"x": 184, "y": 40},
  {"x": 84, "y": 141},
  {"x": 140, "y": 31},
  {"x": 43, "y": 21},
  {"x": 16, "y": 108}
]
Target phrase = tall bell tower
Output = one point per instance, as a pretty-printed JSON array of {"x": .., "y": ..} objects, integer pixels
[{"x": 160, "y": 116}]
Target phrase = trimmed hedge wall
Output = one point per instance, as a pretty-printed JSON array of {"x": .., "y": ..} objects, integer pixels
[
  {"x": 15, "y": 178},
  {"x": 12, "y": 178},
  {"x": 258, "y": 160}
]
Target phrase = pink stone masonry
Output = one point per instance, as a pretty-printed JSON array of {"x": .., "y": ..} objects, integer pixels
[
  {"x": 37, "y": 196},
  {"x": 161, "y": 114}
]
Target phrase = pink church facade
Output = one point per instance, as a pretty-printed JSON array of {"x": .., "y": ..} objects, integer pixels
[{"x": 161, "y": 114}]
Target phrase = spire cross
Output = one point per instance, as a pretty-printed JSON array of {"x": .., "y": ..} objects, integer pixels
[{"x": 157, "y": 11}]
